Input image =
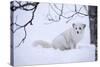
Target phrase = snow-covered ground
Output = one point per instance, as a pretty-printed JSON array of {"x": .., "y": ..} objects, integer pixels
[
  {"x": 26, "y": 54},
  {"x": 38, "y": 55}
]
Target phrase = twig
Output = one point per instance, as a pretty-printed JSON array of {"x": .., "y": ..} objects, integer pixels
[
  {"x": 23, "y": 38},
  {"x": 76, "y": 11},
  {"x": 59, "y": 15},
  {"x": 14, "y": 8},
  {"x": 75, "y": 8},
  {"x": 34, "y": 4}
]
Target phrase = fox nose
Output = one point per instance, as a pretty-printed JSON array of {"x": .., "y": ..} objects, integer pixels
[{"x": 77, "y": 32}]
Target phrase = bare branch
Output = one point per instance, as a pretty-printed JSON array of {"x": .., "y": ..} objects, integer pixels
[
  {"x": 85, "y": 8},
  {"x": 82, "y": 14},
  {"x": 59, "y": 15},
  {"x": 22, "y": 6},
  {"x": 22, "y": 41},
  {"x": 80, "y": 9},
  {"x": 76, "y": 11},
  {"x": 50, "y": 18},
  {"x": 75, "y": 8},
  {"x": 56, "y": 7}
]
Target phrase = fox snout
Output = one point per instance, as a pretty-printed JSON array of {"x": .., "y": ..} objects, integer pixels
[{"x": 77, "y": 32}]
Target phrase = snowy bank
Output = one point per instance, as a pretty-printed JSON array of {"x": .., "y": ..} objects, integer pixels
[{"x": 39, "y": 55}]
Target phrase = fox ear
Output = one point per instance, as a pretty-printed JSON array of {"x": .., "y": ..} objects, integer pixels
[
  {"x": 73, "y": 25},
  {"x": 84, "y": 25}
]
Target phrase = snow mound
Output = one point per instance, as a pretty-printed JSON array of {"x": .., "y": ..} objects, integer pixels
[{"x": 39, "y": 55}]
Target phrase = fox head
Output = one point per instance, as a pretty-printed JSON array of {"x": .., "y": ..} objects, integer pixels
[{"x": 78, "y": 27}]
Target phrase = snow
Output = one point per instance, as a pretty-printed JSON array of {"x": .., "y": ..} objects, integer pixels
[
  {"x": 26, "y": 54},
  {"x": 39, "y": 55}
]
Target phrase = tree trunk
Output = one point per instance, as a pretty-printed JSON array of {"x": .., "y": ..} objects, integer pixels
[{"x": 93, "y": 26}]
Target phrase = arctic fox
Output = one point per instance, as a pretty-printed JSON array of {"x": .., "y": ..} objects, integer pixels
[{"x": 66, "y": 40}]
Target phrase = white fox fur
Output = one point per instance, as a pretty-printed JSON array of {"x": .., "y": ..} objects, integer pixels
[{"x": 66, "y": 40}]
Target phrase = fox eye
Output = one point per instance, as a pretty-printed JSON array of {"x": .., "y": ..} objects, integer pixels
[
  {"x": 79, "y": 28},
  {"x": 76, "y": 28}
]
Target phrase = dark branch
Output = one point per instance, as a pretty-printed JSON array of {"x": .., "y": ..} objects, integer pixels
[
  {"x": 59, "y": 15},
  {"x": 76, "y": 11},
  {"x": 22, "y": 6},
  {"x": 82, "y": 14},
  {"x": 22, "y": 41},
  {"x": 75, "y": 8},
  {"x": 56, "y": 7}
]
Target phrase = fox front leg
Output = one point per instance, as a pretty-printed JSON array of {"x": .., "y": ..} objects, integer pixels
[{"x": 73, "y": 45}]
